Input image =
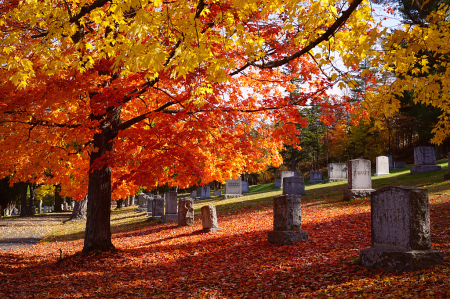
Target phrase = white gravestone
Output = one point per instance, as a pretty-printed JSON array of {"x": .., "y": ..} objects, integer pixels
[
  {"x": 337, "y": 172},
  {"x": 315, "y": 177},
  {"x": 382, "y": 164},
  {"x": 171, "y": 214},
  {"x": 424, "y": 160},
  {"x": 233, "y": 188},
  {"x": 288, "y": 174},
  {"x": 359, "y": 179},
  {"x": 209, "y": 218},
  {"x": 401, "y": 238}
]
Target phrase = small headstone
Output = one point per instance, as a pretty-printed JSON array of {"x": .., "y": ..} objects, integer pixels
[
  {"x": 294, "y": 185},
  {"x": 277, "y": 183},
  {"x": 185, "y": 211},
  {"x": 447, "y": 175},
  {"x": 401, "y": 238},
  {"x": 288, "y": 174},
  {"x": 149, "y": 205},
  {"x": 142, "y": 200},
  {"x": 391, "y": 161},
  {"x": 245, "y": 187},
  {"x": 194, "y": 194},
  {"x": 209, "y": 218},
  {"x": 158, "y": 208},
  {"x": 424, "y": 160},
  {"x": 233, "y": 188},
  {"x": 204, "y": 192},
  {"x": 287, "y": 220},
  {"x": 171, "y": 214},
  {"x": 217, "y": 193},
  {"x": 359, "y": 179},
  {"x": 315, "y": 177},
  {"x": 337, "y": 172},
  {"x": 399, "y": 164},
  {"x": 382, "y": 164},
  {"x": 45, "y": 209}
]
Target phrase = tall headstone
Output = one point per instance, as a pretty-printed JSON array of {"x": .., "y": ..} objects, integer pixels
[
  {"x": 391, "y": 161},
  {"x": 194, "y": 194},
  {"x": 277, "y": 183},
  {"x": 158, "y": 208},
  {"x": 382, "y": 164},
  {"x": 294, "y": 185},
  {"x": 185, "y": 211},
  {"x": 149, "y": 205},
  {"x": 204, "y": 192},
  {"x": 337, "y": 172},
  {"x": 424, "y": 160},
  {"x": 447, "y": 175},
  {"x": 209, "y": 218},
  {"x": 143, "y": 202},
  {"x": 171, "y": 214},
  {"x": 401, "y": 238},
  {"x": 315, "y": 177},
  {"x": 245, "y": 187},
  {"x": 288, "y": 174},
  {"x": 233, "y": 188},
  {"x": 287, "y": 223},
  {"x": 359, "y": 179}
]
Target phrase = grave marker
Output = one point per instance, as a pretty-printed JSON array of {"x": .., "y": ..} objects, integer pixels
[
  {"x": 185, "y": 211},
  {"x": 288, "y": 174},
  {"x": 359, "y": 179},
  {"x": 171, "y": 207},
  {"x": 315, "y": 177},
  {"x": 233, "y": 188},
  {"x": 277, "y": 183},
  {"x": 294, "y": 185},
  {"x": 424, "y": 160},
  {"x": 203, "y": 192},
  {"x": 382, "y": 164},
  {"x": 245, "y": 187},
  {"x": 209, "y": 218},
  {"x": 337, "y": 172}
]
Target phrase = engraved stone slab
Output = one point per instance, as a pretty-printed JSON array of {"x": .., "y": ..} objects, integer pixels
[
  {"x": 359, "y": 179},
  {"x": 294, "y": 185},
  {"x": 185, "y": 211},
  {"x": 288, "y": 174},
  {"x": 277, "y": 183},
  {"x": 382, "y": 164},
  {"x": 424, "y": 160},
  {"x": 401, "y": 239},
  {"x": 149, "y": 204},
  {"x": 233, "y": 188},
  {"x": 217, "y": 193},
  {"x": 315, "y": 177},
  {"x": 204, "y": 192},
  {"x": 337, "y": 172},
  {"x": 158, "y": 208},
  {"x": 171, "y": 214},
  {"x": 245, "y": 187},
  {"x": 209, "y": 218},
  {"x": 194, "y": 194}
]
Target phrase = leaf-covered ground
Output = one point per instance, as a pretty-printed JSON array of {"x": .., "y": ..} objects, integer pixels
[{"x": 165, "y": 261}]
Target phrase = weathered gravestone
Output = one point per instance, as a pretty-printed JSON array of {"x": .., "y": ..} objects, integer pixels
[
  {"x": 194, "y": 194},
  {"x": 382, "y": 164},
  {"x": 447, "y": 175},
  {"x": 209, "y": 218},
  {"x": 277, "y": 183},
  {"x": 288, "y": 174},
  {"x": 149, "y": 204},
  {"x": 233, "y": 188},
  {"x": 142, "y": 200},
  {"x": 391, "y": 161},
  {"x": 424, "y": 160},
  {"x": 337, "y": 172},
  {"x": 315, "y": 177},
  {"x": 158, "y": 208},
  {"x": 401, "y": 239},
  {"x": 359, "y": 179},
  {"x": 185, "y": 211},
  {"x": 399, "y": 164},
  {"x": 217, "y": 193},
  {"x": 294, "y": 185},
  {"x": 171, "y": 207},
  {"x": 204, "y": 192},
  {"x": 245, "y": 187}
]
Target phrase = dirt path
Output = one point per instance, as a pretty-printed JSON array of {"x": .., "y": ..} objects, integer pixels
[{"x": 18, "y": 232}]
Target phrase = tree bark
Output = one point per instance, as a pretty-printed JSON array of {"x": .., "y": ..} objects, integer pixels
[
  {"x": 119, "y": 204},
  {"x": 80, "y": 210},
  {"x": 58, "y": 199},
  {"x": 31, "y": 208},
  {"x": 23, "y": 199}
]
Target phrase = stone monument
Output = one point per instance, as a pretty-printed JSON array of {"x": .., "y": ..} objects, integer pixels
[
  {"x": 171, "y": 207},
  {"x": 337, "y": 172},
  {"x": 359, "y": 179},
  {"x": 203, "y": 192},
  {"x": 401, "y": 239},
  {"x": 245, "y": 187},
  {"x": 194, "y": 194},
  {"x": 217, "y": 193},
  {"x": 149, "y": 204},
  {"x": 399, "y": 164},
  {"x": 277, "y": 183},
  {"x": 185, "y": 211},
  {"x": 158, "y": 208},
  {"x": 391, "y": 161},
  {"x": 424, "y": 160},
  {"x": 288, "y": 174},
  {"x": 382, "y": 164},
  {"x": 294, "y": 185},
  {"x": 233, "y": 188},
  {"x": 209, "y": 218},
  {"x": 315, "y": 177},
  {"x": 142, "y": 200}
]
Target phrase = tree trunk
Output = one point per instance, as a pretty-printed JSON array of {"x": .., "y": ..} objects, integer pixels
[
  {"x": 119, "y": 204},
  {"x": 58, "y": 199},
  {"x": 23, "y": 199},
  {"x": 126, "y": 202},
  {"x": 80, "y": 210},
  {"x": 31, "y": 208}
]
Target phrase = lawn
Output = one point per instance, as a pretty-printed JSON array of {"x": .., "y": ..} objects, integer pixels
[{"x": 157, "y": 260}]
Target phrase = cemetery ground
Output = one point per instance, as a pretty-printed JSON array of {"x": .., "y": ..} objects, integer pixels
[{"x": 161, "y": 260}]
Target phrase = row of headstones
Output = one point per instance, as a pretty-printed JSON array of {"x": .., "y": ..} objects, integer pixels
[
  {"x": 165, "y": 209},
  {"x": 400, "y": 222},
  {"x": 233, "y": 188},
  {"x": 40, "y": 208}
]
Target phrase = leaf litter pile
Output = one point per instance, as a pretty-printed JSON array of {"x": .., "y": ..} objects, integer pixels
[{"x": 157, "y": 260}]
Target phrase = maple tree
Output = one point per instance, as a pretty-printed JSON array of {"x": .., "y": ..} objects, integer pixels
[{"x": 111, "y": 96}]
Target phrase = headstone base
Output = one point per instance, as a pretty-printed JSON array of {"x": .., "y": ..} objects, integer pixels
[
  {"x": 331, "y": 180},
  {"x": 446, "y": 176},
  {"x": 378, "y": 174},
  {"x": 391, "y": 260},
  {"x": 233, "y": 195},
  {"x": 170, "y": 218},
  {"x": 424, "y": 168},
  {"x": 356, "y": 193},
  {"x": 211, "y": 229},
  {"x": 287, "y": 237},
  {"x": 315, "y": 181}
]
